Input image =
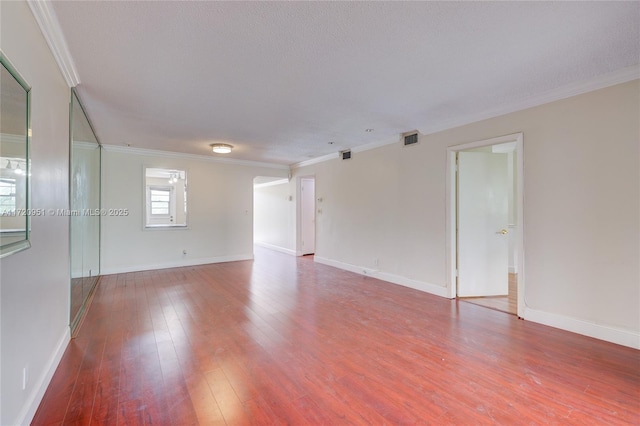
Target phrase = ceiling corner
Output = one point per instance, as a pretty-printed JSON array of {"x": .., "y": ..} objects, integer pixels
[{"x": 50, "y": 27}]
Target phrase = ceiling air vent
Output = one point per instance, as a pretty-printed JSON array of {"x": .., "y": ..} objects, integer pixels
[
  {"x": 346, "y": 154},
  {"x": 410, "y": 138}
]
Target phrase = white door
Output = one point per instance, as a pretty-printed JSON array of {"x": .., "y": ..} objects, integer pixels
[
  {"x": 308, "y": 215},
  {"x": 483, "y": 256}
]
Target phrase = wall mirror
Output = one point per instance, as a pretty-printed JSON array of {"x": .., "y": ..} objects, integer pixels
[
  {"x": 84, "y": 196},
  {"x": 166, "y": 198},
  {"x": 15, "y": 167}
]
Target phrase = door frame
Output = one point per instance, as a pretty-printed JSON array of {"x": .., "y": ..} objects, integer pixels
[
  {"x": 299, "y": 248},
  {"x": 452, "y": 210}
]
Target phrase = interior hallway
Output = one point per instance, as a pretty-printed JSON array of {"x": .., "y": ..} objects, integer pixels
[{"x": 285, "y": 340}]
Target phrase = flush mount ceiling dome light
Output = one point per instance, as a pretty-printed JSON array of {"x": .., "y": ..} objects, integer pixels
[{"x": 221, "y": 148}]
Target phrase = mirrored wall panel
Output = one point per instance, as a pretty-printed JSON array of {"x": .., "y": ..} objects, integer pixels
[
  {"x": 84, "y": 202},
  {"x": 14, "y": 160}
]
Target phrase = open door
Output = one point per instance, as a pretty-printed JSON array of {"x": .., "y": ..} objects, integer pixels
[
  {"x": 483, "y": 210},
  {"x": 308, "y": 215}
]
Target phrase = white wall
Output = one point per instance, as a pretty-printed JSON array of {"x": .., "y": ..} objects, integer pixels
[
  {"x": 274, "y": 221},
  {"x": 34, "y": 287},
  {"x": 513, "y": 211},
  {"x": 581, "y": 212},
  {"x": 220, "y": 212}
]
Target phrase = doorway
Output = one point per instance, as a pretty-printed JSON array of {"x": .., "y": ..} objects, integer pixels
[
  {"x": 307, "y": 215},
  {"x": 484, "y": 223}
]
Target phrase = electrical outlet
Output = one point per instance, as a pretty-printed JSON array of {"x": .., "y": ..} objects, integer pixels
[
  {"x": 184, "y": 251},
  {"x": 375, "y": 261}
]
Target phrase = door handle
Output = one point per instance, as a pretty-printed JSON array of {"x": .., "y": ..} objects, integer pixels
[{"x": 502, "y": 231}]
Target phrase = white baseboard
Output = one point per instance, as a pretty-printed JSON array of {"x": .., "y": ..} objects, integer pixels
[
  {"x": 175, "y": 264},
  {"x": 610, "y": 334},
  {"x": 274, "y": 247},
  {"x": 25, "y": 416},
  {"x": 385, "y": 276},
  {"x": 586, "y": 328}
]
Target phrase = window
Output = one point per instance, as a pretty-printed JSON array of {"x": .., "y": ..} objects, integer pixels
[
  {"x": 160, "y": 201},
  {"x": 7, "y": 196},
  {"x": 166, "y": 198}
]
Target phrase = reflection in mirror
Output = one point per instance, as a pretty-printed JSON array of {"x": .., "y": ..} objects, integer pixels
[
  {"x": 15, "y": 166},
  {"x": 84, "y": 201},
  {"x": 166, "y": 198}
]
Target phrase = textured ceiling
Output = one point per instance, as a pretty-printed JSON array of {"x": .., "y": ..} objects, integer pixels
[{"x": 279, "y": 80}]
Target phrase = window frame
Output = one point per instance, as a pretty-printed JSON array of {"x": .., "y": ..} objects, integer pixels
[
  {"x": 12, "y": 196},
  {"x": 175, "y": 200},
  {"x": 170, "y": 203}
]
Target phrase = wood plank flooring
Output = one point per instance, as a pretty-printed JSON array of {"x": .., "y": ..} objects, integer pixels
[
  {"x": 507, "y": 303},
  {"x": 282, "y": 340}
]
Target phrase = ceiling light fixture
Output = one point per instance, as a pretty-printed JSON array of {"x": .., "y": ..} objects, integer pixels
[
  {"x": 8, "y": 165},
  {"x": 221, "y": 148}
]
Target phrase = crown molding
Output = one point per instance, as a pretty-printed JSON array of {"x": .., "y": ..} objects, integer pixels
[
  {"x": 316, "y": 160},
  {"x": 378, "y": 144},
  {"x": 199, "y": 157},
  {"x": 335, "y": 155},
  {"x": 272, "y": 183},
  {"x": 50, "y": 27},
  {"x": 620, "y": 76}
]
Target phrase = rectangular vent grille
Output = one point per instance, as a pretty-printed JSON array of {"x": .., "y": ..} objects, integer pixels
[
  {"x": 345, "y": 154},
  {"x": 411, "y": 139}
]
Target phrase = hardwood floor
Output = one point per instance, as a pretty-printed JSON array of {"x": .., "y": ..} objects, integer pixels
[
  {"x": 507, "y": 303},
  {"x": 282, "y": 340}
]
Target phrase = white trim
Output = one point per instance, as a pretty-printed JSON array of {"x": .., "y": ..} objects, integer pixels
[
  {"x": 322, "y": 159},
  {"x": 515, "y": 137},
  {"x": 385, "y": 276},
  {"x": 170, "y": 154},
  {"x": 299, "y": 213},
  {"x": 272, "y": 183},
  {"x": 610, "y": 334},
  {"x": 275, "y": 248},
  {"x": 298, "y": 182},
  {"x": 52, "y": 32},
  {"x": 336, "y": 155},
  {"x": 450, "y": 212},
  {"x": 25, "y": 416},
  {"x": 374, "y": 145},
  {"x": 175, "y": 264},
  {"x": 573, "y": 89}
]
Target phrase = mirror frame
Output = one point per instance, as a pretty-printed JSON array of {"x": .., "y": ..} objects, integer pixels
[
  {"x": 17, "y": 246},
  {"x": 145, "y": 199},
  {"x": 76, "y": 316}
]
